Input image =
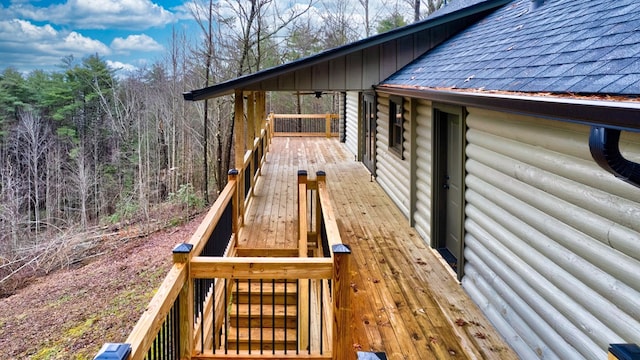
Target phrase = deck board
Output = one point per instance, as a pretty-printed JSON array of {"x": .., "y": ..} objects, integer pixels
[{"x": 406, "y": 302}]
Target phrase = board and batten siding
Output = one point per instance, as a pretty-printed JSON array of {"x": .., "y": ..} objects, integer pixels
[
  {"x": 422, "y": 212},
  {"x": 552, "y": 242},
  {"x": 342, "y": 113},
  {"x": 352, "y": 134},
  {"x": 393, "y": 173}
]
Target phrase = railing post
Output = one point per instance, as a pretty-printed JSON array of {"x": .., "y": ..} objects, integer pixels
[
  {"x": 321, "y": 178},
  {"x": 303, "y": 250},
  {"x": 342, "y": 313},
  {"x": 328, "y": 124},
  {"x": 302, "y": 179},
  {"x": 182, "y": 255},
  {"x": 233, "y": 176}
]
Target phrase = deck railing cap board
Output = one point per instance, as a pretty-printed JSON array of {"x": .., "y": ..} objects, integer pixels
[
  {"x": 261, "y": 268},
  {"x": 325, "y": 356}
]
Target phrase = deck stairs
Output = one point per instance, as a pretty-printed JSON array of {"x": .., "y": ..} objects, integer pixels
[{"x": 262, "y": 316}]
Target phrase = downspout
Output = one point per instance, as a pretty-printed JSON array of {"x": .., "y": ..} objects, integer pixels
[{"x": 604, "y": 144}]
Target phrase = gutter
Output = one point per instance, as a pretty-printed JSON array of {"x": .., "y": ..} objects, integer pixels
[
  {"x": 611, "y": 114},
  {"x": 604, "y": 144},
  {"x": 606, "y": 118}
]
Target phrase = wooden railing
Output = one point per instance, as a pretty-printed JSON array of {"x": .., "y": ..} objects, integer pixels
[
  {"x": 304, "y": 124},
  {"x": 188, "y": 318}
]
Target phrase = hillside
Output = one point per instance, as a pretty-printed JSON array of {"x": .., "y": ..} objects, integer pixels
[{"x": 70, "y": 313}]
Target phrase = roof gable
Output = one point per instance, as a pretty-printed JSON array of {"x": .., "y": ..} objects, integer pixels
[
  {"x": 362, "y": 64},
  {"x": 562, "y": 46}
]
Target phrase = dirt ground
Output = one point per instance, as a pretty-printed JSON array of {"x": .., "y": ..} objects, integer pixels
[{"x": 70, "y": 313}]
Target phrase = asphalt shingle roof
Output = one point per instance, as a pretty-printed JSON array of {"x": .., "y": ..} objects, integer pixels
[{"x": 574, "y": 46}]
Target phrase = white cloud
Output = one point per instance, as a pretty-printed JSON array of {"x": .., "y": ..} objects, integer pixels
[
  {"x": 23, "y": 31},
  {"x": 99, "y": 14},
  {"x": 26, "y": 45},
  {"x": 121, "y": 69},
  {"x": 140, "y": 42}
]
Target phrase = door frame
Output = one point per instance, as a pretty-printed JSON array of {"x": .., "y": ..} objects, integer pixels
[
  {"x": 364, "y": 97},
  {"x": 439, "y": 153}
]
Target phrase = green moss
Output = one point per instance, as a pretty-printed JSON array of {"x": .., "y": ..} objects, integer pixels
[
  {"x": 60, "y": 301},
  {"x": 46, "y": 353},
  {"x": 79, "y": 330}
]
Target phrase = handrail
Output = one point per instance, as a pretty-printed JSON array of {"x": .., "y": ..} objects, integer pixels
[
  {"x": 167, "y": 299},
  {"x": 304, "y": 124},
  {"x": 261, "y": 268},
  {"x": 188, "y": 309}
]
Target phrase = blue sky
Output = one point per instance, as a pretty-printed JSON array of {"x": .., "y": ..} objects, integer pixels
[
  {"x": 127, "y": 34},
  {"x": 37, "y": 34}
]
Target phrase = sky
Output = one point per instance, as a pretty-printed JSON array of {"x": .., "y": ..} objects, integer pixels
[{"x": 127, "y": 34}]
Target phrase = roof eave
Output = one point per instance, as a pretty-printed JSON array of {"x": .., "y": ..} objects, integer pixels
[{"x": 593, "y": 112}]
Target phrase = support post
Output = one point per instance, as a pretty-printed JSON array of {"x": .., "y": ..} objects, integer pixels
[
  {"x": 328, "y": 124},
  {"x": 342, "y": 313},
  {"x": 182, "y": 255},
  {"x": 240, "y": 147},
  {"x": 251, "y": 120},
  {"x": 233, "y": 176},
  {"x": 261, "y": 107}
]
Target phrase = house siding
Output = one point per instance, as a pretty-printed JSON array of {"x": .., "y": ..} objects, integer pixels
[
  {"x": 351, "y": 140},
  {"x": 393, "y": 173},
  {"x": 552, "y": 244},
  {"x": 422, "y": 212}
]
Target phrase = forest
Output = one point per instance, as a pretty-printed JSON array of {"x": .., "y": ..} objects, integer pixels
[{"x": 88, "y": 147}]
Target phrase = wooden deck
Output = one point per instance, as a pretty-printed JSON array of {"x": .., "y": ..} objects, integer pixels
[{"x": 405, "y": 301}]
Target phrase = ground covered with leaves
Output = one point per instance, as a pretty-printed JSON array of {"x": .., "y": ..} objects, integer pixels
[{"x": 70, "y": 313}]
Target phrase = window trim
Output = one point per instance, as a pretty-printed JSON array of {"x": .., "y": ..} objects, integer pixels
[{"x": 396, "y": 128}]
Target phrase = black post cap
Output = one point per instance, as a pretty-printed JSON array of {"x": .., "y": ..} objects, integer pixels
[
  {"x": 341, "y": 249},
  {"x": 302, "y": 172},
  {"x": 183, "y": 248},
  {"x": 233, "y": 172},
  {"x": 112, "y": 351}
]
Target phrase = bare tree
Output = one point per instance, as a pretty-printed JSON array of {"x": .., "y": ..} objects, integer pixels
[
  {"x": 12, "y": 218},
  {"x": 33, "y": 137},
  {"x": 367, "y": 25},
  {"x": 339, "y": 27},
  {"x": 431, "y": 5},
  {"x": 83, "y": 181}
]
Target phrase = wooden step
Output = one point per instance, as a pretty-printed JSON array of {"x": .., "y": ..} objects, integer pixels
[
  {"x": 239, "y": 316},
  {"x": 242, "y": 342},
  {"x": 270, "y": 292}
]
